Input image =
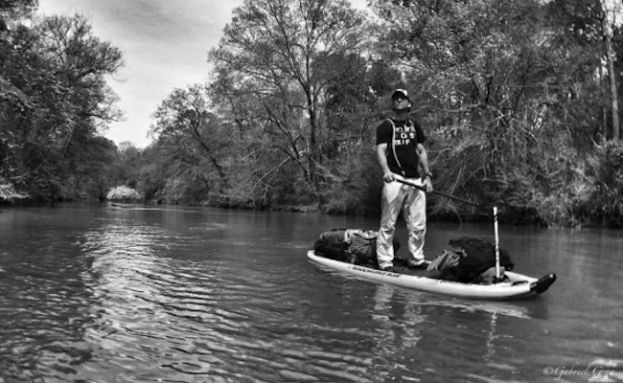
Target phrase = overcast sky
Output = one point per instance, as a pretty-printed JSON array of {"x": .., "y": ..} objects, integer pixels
[{"x": 164, "y": 44}]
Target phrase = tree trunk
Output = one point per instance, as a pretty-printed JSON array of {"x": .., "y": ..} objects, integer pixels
[
  {"x": 613, "y": 84},
  {"x": 313, "y": 149}
]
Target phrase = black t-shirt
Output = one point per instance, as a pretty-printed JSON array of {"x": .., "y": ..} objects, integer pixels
[{"x": 401, "y": 138}]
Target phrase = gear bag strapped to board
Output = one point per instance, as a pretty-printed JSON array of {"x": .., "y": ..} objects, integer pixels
[
  {"x": 469, "y": 263},
  {"x": 349, "y": 245}
]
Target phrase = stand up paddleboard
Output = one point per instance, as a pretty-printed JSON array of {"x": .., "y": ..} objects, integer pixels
[{"x": 514, "y": 286}]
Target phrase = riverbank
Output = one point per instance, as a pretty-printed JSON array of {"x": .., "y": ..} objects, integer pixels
[
  {"x": 506, "y": 216},
  {"x": 8, "y": 194},
  {"x": 440, "y": 208}
]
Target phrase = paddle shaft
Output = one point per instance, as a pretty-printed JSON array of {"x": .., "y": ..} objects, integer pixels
[
  {"x": 497, "y": 242},
  {"x": 450, "y": 196}
]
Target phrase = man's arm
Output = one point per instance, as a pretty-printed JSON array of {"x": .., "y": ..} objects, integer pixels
[
  {"x": 381, "y": 154},
  {"x": 423, "y": 156}
]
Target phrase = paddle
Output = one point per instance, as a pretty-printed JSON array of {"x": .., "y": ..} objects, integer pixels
[
  {"x": 495, "y": 217},
  {"x": 450, "y": 196}
]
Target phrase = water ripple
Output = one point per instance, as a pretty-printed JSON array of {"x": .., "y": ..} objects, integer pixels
[{"x": 146, "y": 295}]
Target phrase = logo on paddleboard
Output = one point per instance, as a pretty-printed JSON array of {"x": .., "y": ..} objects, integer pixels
[{"x": 376, "y": 272}]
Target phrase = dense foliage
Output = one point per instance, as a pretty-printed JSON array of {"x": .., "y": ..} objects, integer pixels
[
  {"x": 519, "y": 99},
  {"x": 52, "y": 97}
]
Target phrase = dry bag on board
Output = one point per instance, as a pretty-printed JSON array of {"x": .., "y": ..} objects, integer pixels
[
  {"x": 478, "y": 257},
  {"x": 350, "y": 245}
]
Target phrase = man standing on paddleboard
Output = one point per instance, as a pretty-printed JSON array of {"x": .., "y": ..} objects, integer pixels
[{"x": 401, "y": 154}]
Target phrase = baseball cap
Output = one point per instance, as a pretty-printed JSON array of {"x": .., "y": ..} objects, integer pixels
[{"x": 400, "y": 93}]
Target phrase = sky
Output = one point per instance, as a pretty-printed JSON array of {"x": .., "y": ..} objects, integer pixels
[{"x": 165, "y": 44}]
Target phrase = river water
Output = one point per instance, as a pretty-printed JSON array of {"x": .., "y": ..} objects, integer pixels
[{"x": 109, "y": 293}]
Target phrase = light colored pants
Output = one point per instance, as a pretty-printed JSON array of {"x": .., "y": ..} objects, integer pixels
[{"x": 398, "y": 197}]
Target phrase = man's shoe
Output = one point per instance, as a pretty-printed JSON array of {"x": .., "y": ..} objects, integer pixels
[
  {"x": 416, "y": 265},
  {"x": 387, "y": 268}
]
